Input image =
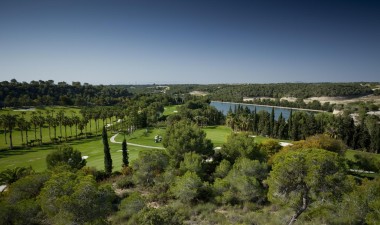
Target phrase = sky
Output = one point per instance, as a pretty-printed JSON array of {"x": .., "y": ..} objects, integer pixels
[{"x": 190, "y": 41}]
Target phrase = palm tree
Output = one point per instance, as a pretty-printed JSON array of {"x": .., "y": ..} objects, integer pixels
[
  {"x": 103, "y": 115},
  {"x": 34, "y": 121},
  {"x": 96, "y": 116},
  {"x": 49, "y": 120},
  {"x": 9, "y": 122},
  {"x": 76, "y": 120},
  {"x": 70, "y": 124},
  {"x": 5, "y": 129},
  {"x": 41, "y": 122},
  {"x": 60, "y": 116},
  {"x": 10, "y": 176},
  {"x": 83, "y": 125},
  {"x": 21, "y": 123},
  {"x": 66, "y": 122}
]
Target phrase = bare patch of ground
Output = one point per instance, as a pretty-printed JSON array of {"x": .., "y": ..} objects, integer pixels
[
  {"x": 248, "y": 99},
  {"x": 344, "y": 100},
  {"x": 199, "y": 93},
  {"x": 289, "y": 99}
]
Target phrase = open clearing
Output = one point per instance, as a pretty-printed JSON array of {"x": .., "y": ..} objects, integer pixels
[{"x": 345, "y": 100}]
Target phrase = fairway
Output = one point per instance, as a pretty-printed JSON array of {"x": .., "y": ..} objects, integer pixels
[
  {"x": 93, "y": 148},
  {"x": 217, "y": 134},
  {"x": 168, "y": 110},
  {"x": 143, "y": 137}
]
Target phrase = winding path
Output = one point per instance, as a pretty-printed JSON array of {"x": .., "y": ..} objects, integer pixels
[{"x": 112, "y": 139}]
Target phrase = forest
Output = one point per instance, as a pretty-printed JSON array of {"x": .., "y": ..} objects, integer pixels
[
  {"x": 318, "y": 178},
  {"x": 47, "y": 93}
]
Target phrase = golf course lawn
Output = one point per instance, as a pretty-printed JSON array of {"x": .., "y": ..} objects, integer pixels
[
  {"x": 93, "y": 148},
  {"x": 217, "y": 134},
  {"x": 168, "y": 110}
]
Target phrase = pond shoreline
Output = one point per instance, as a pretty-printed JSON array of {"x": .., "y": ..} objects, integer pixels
[{"x": 270, "y": 106}]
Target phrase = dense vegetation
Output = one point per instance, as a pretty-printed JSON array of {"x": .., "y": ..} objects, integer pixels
[
  {"x": 298, "y": 90},
  {"x": 242, "y": 183},
  {"x": 364, "y": 135},
  {"x": 191, "y": 182},
  {"x": 37, "y": 93}
]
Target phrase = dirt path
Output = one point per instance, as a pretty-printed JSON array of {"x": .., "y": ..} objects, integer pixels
[{"x": 112, "y": 139}]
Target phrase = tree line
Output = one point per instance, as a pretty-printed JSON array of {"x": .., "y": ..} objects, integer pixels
[
  {"x": 365, "y": 134},
  {"x": 47, "y": 93},
  {"x": 297, "y": 90}
]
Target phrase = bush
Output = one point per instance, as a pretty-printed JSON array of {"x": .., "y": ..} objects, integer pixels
[
  {"x": 125, "y": 182},
  {"x": 99, "y": 175},
  {"x": 128, "y": 207},
  {"x": 367, "y": 162},
  {"x": 65, "y": 155},
  {"x": 126, "y": 170},
  {"x": 159, "y": 216}
]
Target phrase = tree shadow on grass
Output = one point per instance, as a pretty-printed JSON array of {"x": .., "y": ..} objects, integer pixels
[{"x": 44, "y": 147}]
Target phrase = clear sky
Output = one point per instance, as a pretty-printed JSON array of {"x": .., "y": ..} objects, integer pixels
[{"x": 190, "y": 41}]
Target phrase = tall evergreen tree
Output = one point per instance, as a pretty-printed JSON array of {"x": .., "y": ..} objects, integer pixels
[
  {"x": 272, "y": 124},
  {"x": 255, "y": 121},
  {"x": 107, "y": 154},
  {"x": 125, "y": 153},
  {"x": 290, "y": 123}
]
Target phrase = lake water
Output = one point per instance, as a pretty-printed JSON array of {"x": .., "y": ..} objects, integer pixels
[{"x": 225, "y": 106}]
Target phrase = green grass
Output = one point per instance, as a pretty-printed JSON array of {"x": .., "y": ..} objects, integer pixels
[
  {"x": 350, "y": 154},
  {"x": 92, "y": 147},
  {"x": 217, "y": 134},
  {"x": 168, "y": 110},
  {"x": 142, "y": 137}
]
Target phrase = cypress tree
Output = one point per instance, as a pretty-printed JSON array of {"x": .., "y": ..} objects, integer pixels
[
  {"x": 290, "y": 123},
  {"x": 272, "y": 121},
  {"x": 107, "y": 154},
  {"x": 125, "y": 153},
  {"x": 255, "y": 121}
]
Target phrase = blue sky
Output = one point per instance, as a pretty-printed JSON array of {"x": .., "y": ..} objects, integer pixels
[{"x": 140, "y": 41}]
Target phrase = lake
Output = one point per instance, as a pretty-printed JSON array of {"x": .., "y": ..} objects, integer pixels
[{"x": 225, "y": 106}]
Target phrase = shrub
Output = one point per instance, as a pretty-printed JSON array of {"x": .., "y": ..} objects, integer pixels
[
  {"x": 125, "y": 182},
  {"x": 65, "y": 155}
]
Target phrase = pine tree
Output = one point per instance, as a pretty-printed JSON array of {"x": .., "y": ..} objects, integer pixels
[
  {"x": 125, "y": 153},
  {"x": 107, "y": 154}
]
